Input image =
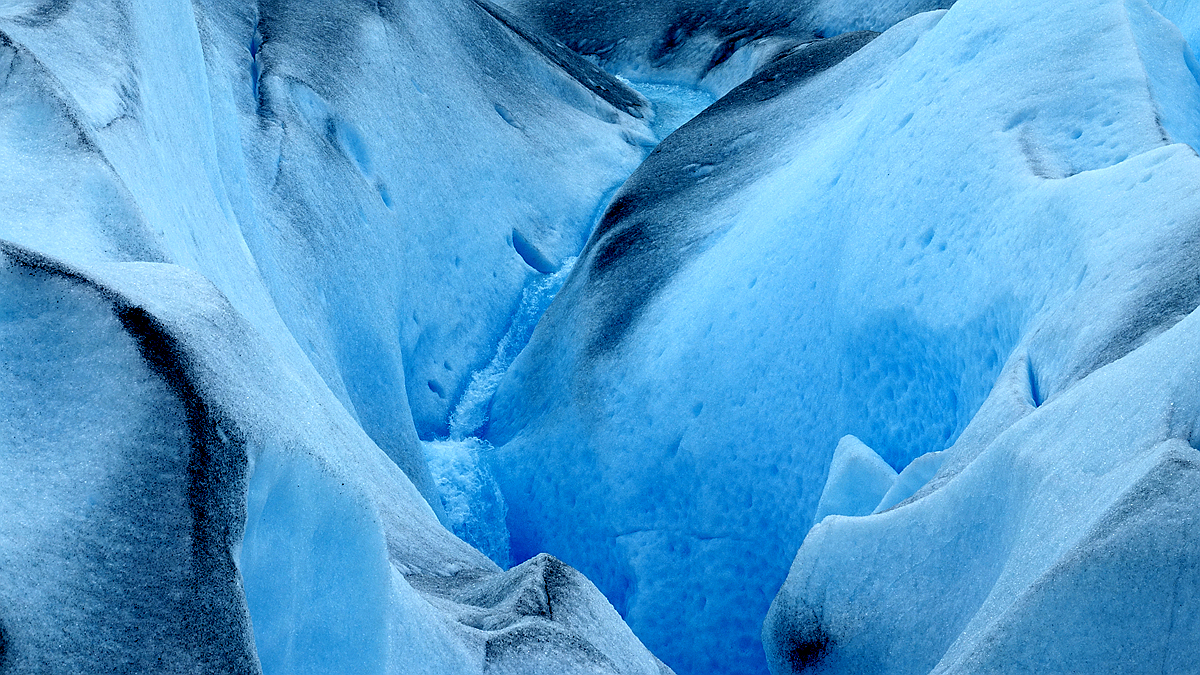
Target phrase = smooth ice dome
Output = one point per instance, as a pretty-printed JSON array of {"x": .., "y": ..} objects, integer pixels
[
  {"x": 855, "y": 241},
  {"x": 518, "y": 338}
]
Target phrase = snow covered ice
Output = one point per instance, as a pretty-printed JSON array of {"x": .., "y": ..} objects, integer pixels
[{"x": 565, "y": 337}]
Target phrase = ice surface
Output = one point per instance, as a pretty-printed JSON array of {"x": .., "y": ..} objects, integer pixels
[
  {"x": 541, "y": 618},
  {"x": 1067, "y": 544},
  {"x": 259, "y": 162},
  {"x": 915, "y": 476},
  {"x": 849, "y": 244},
  {"x": 276, "y": 381},
  {"x": 858, "y": 480},
  {"x": 709, "y": 43},
  {"x": 116, "y": 528},
  {"x": 207, "y": 439},
  {"x": 1185, "y": 16},
  {"x": 250, "y": 253}
]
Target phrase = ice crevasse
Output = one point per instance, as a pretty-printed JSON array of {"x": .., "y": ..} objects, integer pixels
[
  {"x": 910, "y": 308},
  {"x": 250, "y": 253},
  {"x": 945, "y": 241}
]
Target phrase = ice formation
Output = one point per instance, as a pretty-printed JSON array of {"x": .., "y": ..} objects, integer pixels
[
  {"x": 857, "y": 241},
  {"x": 300, "y": 373},
  {"x": 252, "y": 252},
  {"x": 858, "y": 481},
  {"x": 711, "y": 44}
]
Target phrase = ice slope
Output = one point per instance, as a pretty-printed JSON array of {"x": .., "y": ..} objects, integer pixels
[
  {"x": 1067, "y": 544},
  {"x": 233, "y": 234},
  {"x": 715, "y": 44},
  {"x": 120, "y": 492},
  {"x": 1185, "y": 16},
  {"x": 261, "y": 121},
  {"x": 857, "y": 252},
  {"x": 175, "y": 429}
]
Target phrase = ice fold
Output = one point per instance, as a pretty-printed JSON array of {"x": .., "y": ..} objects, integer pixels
[
  {"x": 1066, "y": 544},
  {"x": 542, "y": 617},
  {"x": 252, "y": 253},
  {"x": 207, "y": 439},
  {"x": 926, "y": 243}
]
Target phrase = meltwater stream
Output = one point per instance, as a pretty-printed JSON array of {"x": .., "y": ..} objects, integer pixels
[
  {"x": 473, "y": 506},
  {"x": 674, "y": 104}
]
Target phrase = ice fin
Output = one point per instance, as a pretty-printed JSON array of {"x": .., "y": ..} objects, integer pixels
[
  {"x": 858, "y": 479},
  {"x": 914, "y": 477}
]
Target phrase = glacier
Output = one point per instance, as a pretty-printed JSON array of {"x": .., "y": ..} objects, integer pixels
[
  {"x": 871, "y": 236},
  {"x": 529, "y": 336},
  {"x": 221, "y": 274}
]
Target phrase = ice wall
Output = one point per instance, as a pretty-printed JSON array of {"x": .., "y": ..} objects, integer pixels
[
  {"x": 853, "y": 242},
  {"x": 1058, "y": 534},
  {"x": 259, "y": 259},
  {"x": 251, "y": 251},
  {"x": 197, "y": 527}
]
